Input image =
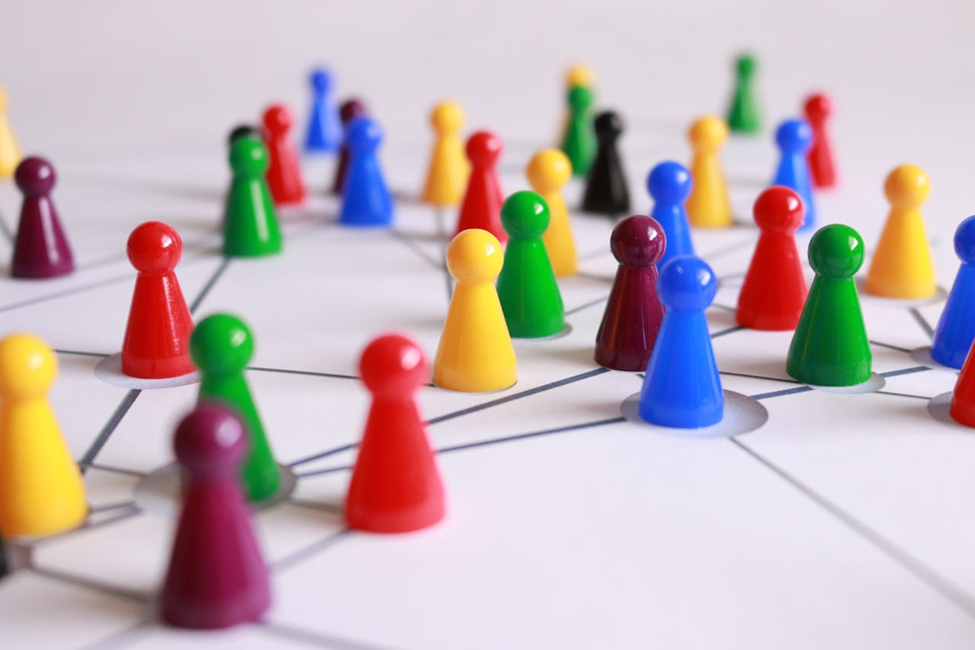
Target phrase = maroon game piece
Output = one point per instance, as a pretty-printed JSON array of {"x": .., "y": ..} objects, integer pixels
[
  {"x": 157, "y": 336},
  {"x": 41, "y": 249},
  {"x": 216, "y": 576},
  {"x": 395, "y": 486},
  {"x": 633, "y": 313},
  {"x": 349, "y": 110},
  {"x": 822, "y": 164},
  {"x": 481, "y": 207},
  {"x": 284, "y": 170}
]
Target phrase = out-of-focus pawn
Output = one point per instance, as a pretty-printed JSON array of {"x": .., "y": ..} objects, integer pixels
[
  {"x": 794, "y": 138},
  {"x": 365, "y": 200},
  {"x": 744, "y": 113},
  {"x": 548, "y": 171},
  {"x": 606, "y": 189},
  {"x": 955, "y": 332},
  {"x": 580, "y": 137},
  {"x": 580, "y": 75},
  {"x": 10, "y": 154},
  {"x": 448, "y": 169},
  {"x": 481, "y": 207},
  {"x": 633, "y": 313},
  {"x": 708, "y": 205},
  {"x": 324, "y": 133},
  {"x": 216, "y": 577},
  {"x": 41, "y": 248},
  {"x": 250, "y": 222},
  {"x": 350, "y": 110},
  {"x": 901, "y": 266},
  {"x": 669, "y": 184},
  {"x": 822, "y": 162},
  {"x": 284, "y": 170},
  {"x": 395, "y": 485},
  {"x": 242, "y": 131}
]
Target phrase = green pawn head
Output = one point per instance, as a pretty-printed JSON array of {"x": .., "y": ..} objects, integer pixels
[
  {"x": 745, "y": 64},
  {"x": 525, "y": 215},
  {"x": 248, "y": 157},
  {"x": 221, "y": 345},
  {"x": 580, "y": 99},
  {"x": 836, "y": 252}
]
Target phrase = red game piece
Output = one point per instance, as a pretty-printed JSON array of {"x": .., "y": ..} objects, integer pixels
[
  {"x": 963, "y": 398},
  {"x": 216, "y": 576},
  {"x": 157, "y": 337},
  {"x": 774, "y": 291},
  {"x": 41, "y": 249},
  {"x": 633, "y": 312},
  {"x": 822, "y": 165},
  {"x": 481, "y": 207},
  {"x": 395, "y": 486},
  {"x": 283, "y": 171},
  {"x": 349, "y": 110}
]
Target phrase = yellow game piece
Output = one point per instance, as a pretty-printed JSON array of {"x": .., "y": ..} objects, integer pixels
[
  {"x": 580, "y": 74},
  {"x": 475, "y": 354},
  {"x": 41, "y": 492},
  {"x": 548, "y": 171},
  {"x": 10, "y": 154},
  {"x": 449, "y": 168},
  {"x": 901, "y": 266},
  {"x": 708, "y": 205}
]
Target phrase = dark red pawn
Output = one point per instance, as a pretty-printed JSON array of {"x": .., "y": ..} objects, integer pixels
[
  {"x": 157, "y": 337},
  {"x": 395, "y": 486},
  {"x": 774, "y": 291},
  {"x": 284, "y": 170},
  {"x": 822, "y": 164},
  {"x": 349, "y": 111},
  {"x": 216, "y": 576},
  {"x": 41, "y": 249},
  {"x": 481, "y": 207},
  {"x": 633, "y": 313}
]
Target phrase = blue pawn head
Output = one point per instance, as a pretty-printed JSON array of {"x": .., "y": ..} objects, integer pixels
[
  {"x": 794, "y": 136},
  {"x": 669, "y": 182},
  {"x": 364, "y": 136},
  {"x": 321, "y": 80},
  {"x": 965, "y": 241},
  {"x": 686, "y": 284}
]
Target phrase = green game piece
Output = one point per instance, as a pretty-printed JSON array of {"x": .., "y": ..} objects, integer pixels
[
  {"x": 221, "y": 346},
  {"x": 579, "y": 143},
  {"x": 250, "y": 224},
  {"x": 527, "y": 288},
  {"x": 830, "y": 347},
  {"x": 744, "y": 115}
]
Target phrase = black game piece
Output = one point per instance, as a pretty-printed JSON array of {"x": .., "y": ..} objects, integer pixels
[{"x": 606, "y": 190}]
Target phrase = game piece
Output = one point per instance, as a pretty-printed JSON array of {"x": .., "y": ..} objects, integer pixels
[
  {"x": 283, "y": 170},
  {"x": 901, "y": 266},
  {"x": 475, "y": 354},
  {"x": 10, "y": 154},
  {"x": 548, "y": 171},
  {"x": 216, "y": 576},
  {"x": 579, "y": 143},
  {"x": 744, "y": 115},
  {"x": 365, "y": 200},
  {"x": 221, "y": 347},
  {"x": 250, "y": 222},
  {"x": 774, "y": 290},
  {"x": 324, "y": 133},
  {"x": 527, "y": 288},
  {"x": 830, "y": 346},
  {"x": 633, "y": 312},
  {"x": 41, "y": 492},
  {"x": 578, "y": 75},
  {"x": 606, "y": 190},
  {"x": 448, "y": 169},
  {"x": 41, "y": 248},
  {"x": 4, "y": 563},
  {"x": 955, "y": 332},
  {"x": 708, "y": 205},
  {"x": 395, "y": 485},
  {"x": 794, "y": 137},
  {"x": 669, "y": 184},
  {"x": 481, "y": 207},
  {"x": 962, "y": 408},
  {"x": 350, "y": 110},
  {"x": 822, "y": 165},
  {"x": 682, "y": 387},
  {"x": 242, "y": 131},
  {"x": 157, "y": 336}
]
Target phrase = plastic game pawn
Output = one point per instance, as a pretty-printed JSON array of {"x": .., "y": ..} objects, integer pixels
[
  {"x": 395, "y": 485},
  {"x": 774, "y": 291},
  {"x": 633, "y": 313},
  {"x": 324, "y": 132},
  {"x": 216, "y": 576},
  {"x": 350, "y": 110},
  {"x": 365, "y": 200},
  {"x": 250, "y": 221},
  {"x": 669, "y": 185},
  {"x": 578, "y": 75},
  {"x": 962, "y": 408},
  {"x": 708, "y": 205},
  {"x": 242, "y": 131},
  {"x": 41, "y": 248},
  {"x": 820, "y": 157},
  {"x": 794, "y": 138},
  {"x": 901, "y": 266},
  {"x": 284, "y": 170},
  {"x": 41, "y": 492},
  {"x": 830, "y": 346},
  {"x": 221, "y": 347},
  {"x": 527, "y": 288},
  {"x": 481, "y": 207},
  {"x": 157, "y": 337},
  {"x": 579, "y": 143},
  {"x": 682, "y": 387},
  {"x": 606, "y": 189},
  {"x": 475, "y": 354},
  {"x": 955, "y": 332},
  {"x": 10, "y": 154},
  {"x": 548, "y": 171},
  {"x": 744, "y": 115},
  {"x": 448, "y": 169}
]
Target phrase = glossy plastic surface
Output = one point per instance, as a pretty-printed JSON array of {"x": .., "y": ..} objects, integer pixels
[
  {"x": 284, "y": 169},
  {"x": 41, "y": 248},
  {"x": 548, "y": 171},
  {"x": 822, "y": 161},
  {"x": 669, "y": 185},
  {"x": 744, "y": 113},
  {"x": 579, "y": 143},
  {"x": 250, "y": 221},
  {"x": 481, "y": 207},
  {"x": 708, "y": 205},
  {"x": 794, "y": 137},
  {"x": 955, "y": 331},
  {"x": 606, "y": 187},
  {"x": 324, "y": 131},
  {"x": 242, "y": 131},
  {"x": 366, "y": 200},
  {"x": 350, "y": 110},
  {"x": 10, "y": 154},
  {"x": 448, "y": 168}
]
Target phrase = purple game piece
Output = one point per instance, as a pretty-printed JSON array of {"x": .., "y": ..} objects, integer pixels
[
  {"x": 41, "y": 249},
  {"x": 349, "y": 110},
  {"x": 216, "y": 577}
]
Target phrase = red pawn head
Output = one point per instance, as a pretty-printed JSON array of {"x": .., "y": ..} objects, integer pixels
[
  {"x": 818, "y": 107},
  {"x": 35, "y": 176},
  {"x": 778, "y": 210},
  {"x": 484, "y": 149},
  {"x": 393, "y": 366},
  {"x": 278, "y": 119},
  {"x": 638, "y": 241},
  {"x": 210, "y": 440},
  {"x": 154, "y": 247}
]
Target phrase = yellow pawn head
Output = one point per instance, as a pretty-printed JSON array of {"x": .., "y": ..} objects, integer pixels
[
  {"x": 907, "y": 187},
  {"x": 28, "y": 367},
  {"x": 3, "y": 99},
  {"x": 580, "y": 74},
  {"x": 708, "y": 133},
  {"x": 447, "y": 118},
  {"x": 548, "y": 171},
  {"x": 475, "y": 256}
]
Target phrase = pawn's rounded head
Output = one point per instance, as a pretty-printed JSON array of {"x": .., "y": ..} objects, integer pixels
[
  {"x": 475, "y": 255},
  {"x": 447, "y": 117},
  {"x": 321, "y": 79},
  {"x": 794, "y": 136},
  {"x": 965, "y": 241},
  {"x": 638, "y": 241},
  {"x": 524, "y": 215},
  {"x": 686, "y": 284},
  {"x": 484, "y": 148},
  {"x": 746, "y": 64},
  {"x": 210, "y": 438},
  {"x": 580, "y": 75},
  {"x": 707, "y": 133},
  {"x": 608, "y": 126},
  {"x": 154, "y": 246},
  {"x": 818, "y": 107},
  {"x": 836, "y": 251},
  {"x": 351, "y": 109},
  {"x": 669, "y": 182},
  {"x": 364, "y": 135},
  {"x": 580, "y": 98},
  {"x": 242, "y": 131},
  {"x": 28, "y": 367},
  {"x": 778, "y": 210},
  {"x": 248, "y": 156},
  {"x": 907, "y": 187},
  {"x": 393, "y": 364},
  {"x": 549, "y": 170},
  {"x": 35, "y": 176},
  {"x": 221, "y": 344},
  {"x": 278, "y": 119}
]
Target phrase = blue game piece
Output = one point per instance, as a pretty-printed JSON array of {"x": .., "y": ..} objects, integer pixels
[
  {"x": 324, "y": 127},
  {"x": 366, "y": 200},
  {"x": 956, "y": 328},
  {"x": 669, "y": 184},
  {"x": 682, "y": 387},
  {"x": 794, "y": 138}
]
